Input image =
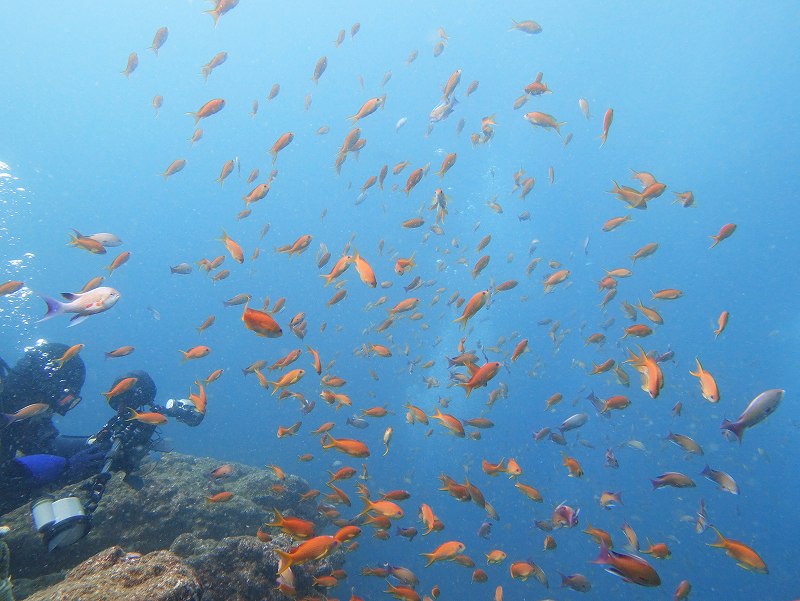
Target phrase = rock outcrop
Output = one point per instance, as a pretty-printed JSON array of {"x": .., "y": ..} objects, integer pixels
[
  {"x": 114, "y": 574},
  {"x": 172, "y": 502}
]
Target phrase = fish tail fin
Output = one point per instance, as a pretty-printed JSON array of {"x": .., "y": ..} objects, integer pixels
[
  {"x": 720, "y": 542},
  {"x": 184, "y": 353},
  {"x": 604, "y": 557},
  {"x": 54, "y": 307},
  {"x": 134, "y": 413},
  {"x": 367, "y": 505},
  {"x": 278, "y": 519},
  {"x": 429, "y": 557},
  {"x": 285, "y": 561},
  {"x": 734, "y": 427},
  {"x": 716, "y": 241}
]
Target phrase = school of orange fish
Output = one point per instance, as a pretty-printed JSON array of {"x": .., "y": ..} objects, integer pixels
[{"x": 398, "y": 337}]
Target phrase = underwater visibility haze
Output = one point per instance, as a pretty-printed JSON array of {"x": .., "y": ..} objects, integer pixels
[{"x": 558, "y": 242}]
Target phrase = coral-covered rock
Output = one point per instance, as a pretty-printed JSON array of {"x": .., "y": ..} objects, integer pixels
[
  {"x": 114, "y": 574},
  {"x": 171, "y": 502}
]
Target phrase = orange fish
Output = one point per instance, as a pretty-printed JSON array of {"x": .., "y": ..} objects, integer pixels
[
  {"x": 413, "y": 180},
  {"x": 260, "y": 322},
  {"x": 120, "y": 259},
  {"x": 294, "y": 526},
  {"x": 88, "y": 244},
  {"x": 572, "y": 465},
  {"x": 297, "y": 247},
  {"x": 26, "y": 412},
  {"x": 13, "y": 286},
  {"x": 444, "y": 552},
  {"x": 68, "y": 354},
  {"x": 288, "y": 379},
  {"x": 222, "y": 471},
  {"x": 608, "y": 118},
  {"x": 220, "y": 497},
  {"x": 282, "y": 142},
  {"x": 369, "y": 107},
  {"x": 233, "y": 248},
  {"x": 474, "y": 305},
  {"x": 311, "y": 550},
  {"x": 481, "y": 376},
  {"x": 708, "y": 385},
  {"x": 745, "y": 557},
  {"x": 151, "y": 418},
  {"x": 174, "y": 167},
  {"x": 348, "y": 446},
  {"x": 554, "y": 279},
  {"x": 450, "y": 422},
  {"x": 630, "y": 568},
  {"x": 196, "y": 352},
  {"x": 725, "y": 232},
  {"x": 209, "y": 108},
  {"x": 365, "y": 271},
  {"x": 122, "y": 351},
  {"x": 122, "y": 386},
  {"x": 721, "y": 323}
]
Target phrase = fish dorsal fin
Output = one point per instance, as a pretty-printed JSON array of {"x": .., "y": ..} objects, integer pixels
[{"x": 70, "y": 296}]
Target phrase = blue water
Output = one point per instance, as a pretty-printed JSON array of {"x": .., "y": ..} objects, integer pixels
[{"x": 703, "y": 98}]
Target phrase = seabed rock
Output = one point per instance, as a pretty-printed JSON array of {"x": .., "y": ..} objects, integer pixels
[
  {"x": 113, "y": 574},
  {"x": 171, "y": 503}
]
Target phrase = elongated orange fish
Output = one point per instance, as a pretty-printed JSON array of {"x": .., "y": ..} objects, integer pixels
[
  {"x": 151, "y": 418},
  {"x": 282, "y": 142},
  {"x": 474, "y": 305},
  {"x": 311, "y": 550},
  {"x": 481, "y": 376},
  {"x": 209, "y": 108},
  {"x": 708, "y": 385}
]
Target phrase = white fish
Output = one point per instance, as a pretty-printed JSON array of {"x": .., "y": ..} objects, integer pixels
[
  {"x": 584, "y": 104},
  {"x": 82, "y": 304},
  {"x": 106, "y": 239},
  {"x": 400, "y": 123},
  {"x": 442, "y": 110}
]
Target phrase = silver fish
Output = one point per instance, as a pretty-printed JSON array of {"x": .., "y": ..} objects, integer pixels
[
  {"x": 757, "y": 411},
  {"x": 721, "y": 479},
  {"x": 181, "y": 269},
  {"x": 573, "y": 422}
]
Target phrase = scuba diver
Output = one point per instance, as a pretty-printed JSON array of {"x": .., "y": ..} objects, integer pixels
[{"x": 35, "y": 458}]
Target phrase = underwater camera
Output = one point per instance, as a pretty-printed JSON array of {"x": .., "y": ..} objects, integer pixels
[{"x": 62, "y": 522}]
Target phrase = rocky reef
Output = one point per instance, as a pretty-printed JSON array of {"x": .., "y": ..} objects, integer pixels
[{"x": 165, "y": 541}]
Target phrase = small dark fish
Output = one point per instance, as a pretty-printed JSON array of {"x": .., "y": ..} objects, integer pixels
[
  {"x": 669, "y": 355},
  {"x": 485, "y": 530},
  {"x": 611, "y": 459},
  {"x": 357, "y": 422}
]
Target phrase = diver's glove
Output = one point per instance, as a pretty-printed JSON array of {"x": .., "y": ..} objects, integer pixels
[
  {"x": 42, "y": 469},
  {"x": 85, "y": 463}
]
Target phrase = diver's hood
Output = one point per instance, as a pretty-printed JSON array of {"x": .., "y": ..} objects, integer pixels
[{"x": 36, "y": 378}]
